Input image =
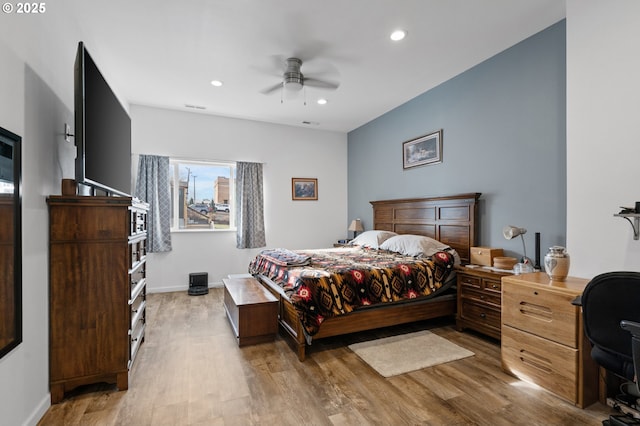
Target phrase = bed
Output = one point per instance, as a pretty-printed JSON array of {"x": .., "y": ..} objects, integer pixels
[{"x": 451, "y": 220}]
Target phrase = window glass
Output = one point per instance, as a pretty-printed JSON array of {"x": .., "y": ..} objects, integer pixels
[{"x": 202, "y": 195}]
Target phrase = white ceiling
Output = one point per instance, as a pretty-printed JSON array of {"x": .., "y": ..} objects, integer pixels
[{"x": 165, "y": 53}]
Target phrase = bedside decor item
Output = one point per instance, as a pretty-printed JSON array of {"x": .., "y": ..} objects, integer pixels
[
  {"x": 426, "y": 149},
  {"x": 68, "y": 187},
  {"x": 556, "y": 263},
  {"x": 356, "y": 226},
  {"x": 523, "y": 268},
  {"x": 484, "y": 255},
  {"x": 504, "y": 262},
  {"x": 510, "y": 232},
  {"x": 536, "y": 266},
  {"x": 304, "y": 189}
]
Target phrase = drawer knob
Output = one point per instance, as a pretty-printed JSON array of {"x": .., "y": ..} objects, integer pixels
[
  {"x": 535, "y": 293},
  {"x": 494, "y": 286},
  {"x": 483, "y": 315}
]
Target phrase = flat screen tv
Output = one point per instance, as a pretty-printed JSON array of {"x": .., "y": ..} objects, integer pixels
[{"x": 102, "y": 131}]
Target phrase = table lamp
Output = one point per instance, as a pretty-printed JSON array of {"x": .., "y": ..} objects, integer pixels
[
  {"x": 511, "y": 232},
  {"x": 356, "y": 226}
]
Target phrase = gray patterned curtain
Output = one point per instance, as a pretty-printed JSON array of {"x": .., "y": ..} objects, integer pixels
[
  {"x": 152, "y": 186},
  {"x": 249, "y": 206}
]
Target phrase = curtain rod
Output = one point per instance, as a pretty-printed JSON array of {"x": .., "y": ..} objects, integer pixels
[{"x": 199, "y": 160}]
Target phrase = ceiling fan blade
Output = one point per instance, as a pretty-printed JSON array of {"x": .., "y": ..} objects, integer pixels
[
  {"x": 322, "y": 84},
  {"x": 271, "y": 89}
]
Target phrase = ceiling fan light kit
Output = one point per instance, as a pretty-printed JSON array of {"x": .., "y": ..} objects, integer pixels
[
  {"x": 398, "y": 35},
  {"x": 293, "y": 80}
]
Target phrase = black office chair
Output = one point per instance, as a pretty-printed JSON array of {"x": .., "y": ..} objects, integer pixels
[{"x": 611, "y": 316}]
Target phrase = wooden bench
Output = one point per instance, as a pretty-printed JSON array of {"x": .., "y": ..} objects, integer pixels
[{"x": 251, "y": 309}]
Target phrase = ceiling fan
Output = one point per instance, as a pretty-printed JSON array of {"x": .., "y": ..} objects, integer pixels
[{"x": 293, "y": 80}]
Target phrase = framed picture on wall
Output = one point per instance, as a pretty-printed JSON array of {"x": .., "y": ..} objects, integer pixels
[
  {"x": 424, "y": 150},
  {"x": 304, "y": 189}
]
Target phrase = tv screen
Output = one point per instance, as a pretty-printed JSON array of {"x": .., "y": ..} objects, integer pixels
[{"x": 102, "y": 131}]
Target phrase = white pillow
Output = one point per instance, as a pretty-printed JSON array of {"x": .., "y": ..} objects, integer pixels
[
  {"x": 413, "y": 245},
  {"x": 372, "y": 239}
]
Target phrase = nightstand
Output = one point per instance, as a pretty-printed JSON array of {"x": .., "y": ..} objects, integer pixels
[
  {"x": 542, "y": 336},
  {"x": 479, "y": 300}
]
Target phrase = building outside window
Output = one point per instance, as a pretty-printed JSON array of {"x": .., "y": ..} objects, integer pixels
[{"x": 202, "y": 195}]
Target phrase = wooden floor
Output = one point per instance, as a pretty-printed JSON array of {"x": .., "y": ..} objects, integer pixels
[{"x": 190, "y": 371}]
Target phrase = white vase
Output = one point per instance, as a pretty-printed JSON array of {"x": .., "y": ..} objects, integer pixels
[{"x": 556, "y": 263}]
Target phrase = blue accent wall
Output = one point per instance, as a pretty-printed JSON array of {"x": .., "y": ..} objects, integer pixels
[{"x": 504, "y": 135}]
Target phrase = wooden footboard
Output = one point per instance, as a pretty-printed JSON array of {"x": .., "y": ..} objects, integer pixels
[{"x": 366, "y": 319}]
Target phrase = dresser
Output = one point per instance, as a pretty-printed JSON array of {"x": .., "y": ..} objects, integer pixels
[
  {"x": 543, "y": 339},
  {"x": 479, "y": 300},
  {"x": 97, "y": 290}
]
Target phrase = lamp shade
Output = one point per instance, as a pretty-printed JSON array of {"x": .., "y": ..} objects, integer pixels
[
  {"x": 511, "y": 232},
  {"x": 356, "y": 226}
]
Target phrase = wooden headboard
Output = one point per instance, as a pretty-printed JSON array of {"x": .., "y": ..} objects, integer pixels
[{"x": 450, "y": 219}]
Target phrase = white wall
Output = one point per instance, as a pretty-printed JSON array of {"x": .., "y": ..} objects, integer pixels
[
  {"x": 603, "y": 143},
  {"x": 285, "y": 151},
  {"x": 36, "y": 98}
]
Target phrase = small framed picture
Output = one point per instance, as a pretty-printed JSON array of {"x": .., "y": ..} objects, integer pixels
[
  {"x": 424, "y": 150},
  {"x": 304, "y": 189}
]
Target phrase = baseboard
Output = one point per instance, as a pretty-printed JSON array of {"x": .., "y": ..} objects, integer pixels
[
  {"x": 217, "y": 284},
  {"x": 39, "y": 411}
]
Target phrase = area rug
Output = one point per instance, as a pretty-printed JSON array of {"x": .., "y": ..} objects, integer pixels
[{"x": 408, "y": 352}]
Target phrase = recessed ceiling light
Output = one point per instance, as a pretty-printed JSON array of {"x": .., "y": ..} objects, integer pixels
[
  {"x": 322, "y": 101},
  {"x": 398, "y": 35},
  {"x": 216, "y": 83}
]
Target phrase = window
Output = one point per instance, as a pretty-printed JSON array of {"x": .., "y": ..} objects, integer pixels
[{"x": 202, "y": 195}]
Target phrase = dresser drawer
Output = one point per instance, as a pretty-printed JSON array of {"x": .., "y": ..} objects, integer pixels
[
  {"x": 541, "y": 312},
  {"x": 137, "y": 252},
  {"x": 481, "y": 296},
  {"x": 88, "y": 223},
  {"x": 138, "y": 306},
  {"x": 480, "y": 314},
  {"x": 541, "y": 361},
  {"x": 469, "y": 281},
  {"x": 138, "y": 222},
  {"x": 492, "y": 286},
  {"x": 136, "y": 276},
  {"x": 136, "y": 339}
]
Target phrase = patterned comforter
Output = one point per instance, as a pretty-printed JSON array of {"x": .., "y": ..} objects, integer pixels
[{"x": 338, "y": 281}]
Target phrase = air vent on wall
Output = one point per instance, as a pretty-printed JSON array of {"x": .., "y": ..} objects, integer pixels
[{"x": 195, "y": 106}]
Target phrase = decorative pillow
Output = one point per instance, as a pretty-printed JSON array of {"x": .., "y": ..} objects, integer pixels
[
  {"x": 413, "y": 245},
  {"x": 372, "y": 239}
]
